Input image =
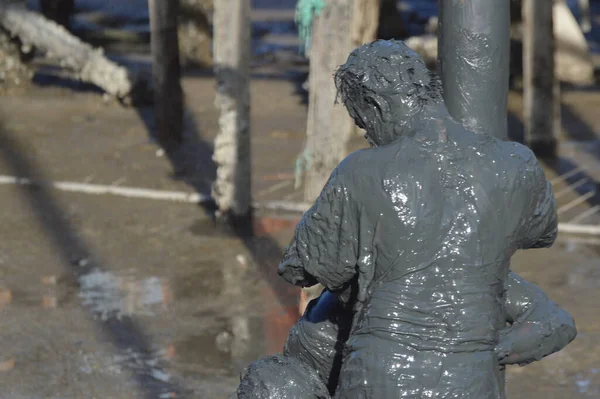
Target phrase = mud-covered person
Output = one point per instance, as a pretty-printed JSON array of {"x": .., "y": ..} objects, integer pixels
[{"x": 426, "y": 221}]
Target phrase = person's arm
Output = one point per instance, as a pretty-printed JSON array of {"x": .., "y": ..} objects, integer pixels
[
  {"x": 325, "y": 244},
  {"x": 538, "y": 326}
]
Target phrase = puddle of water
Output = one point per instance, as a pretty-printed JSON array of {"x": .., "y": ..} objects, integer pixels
[
  {"x": 587, "y": 383},
  {"x": 108, "y": 295},
  {"x": 583, "y": 385},
  {"x": 127, "y": 360}
]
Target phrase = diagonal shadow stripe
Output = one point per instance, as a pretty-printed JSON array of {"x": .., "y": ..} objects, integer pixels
[{"x": 125, "y": 333}]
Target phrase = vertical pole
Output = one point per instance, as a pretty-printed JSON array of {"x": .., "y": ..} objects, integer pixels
[
  {"x": 474, "y": 53},
  {"x": 365, "y": 27},
  {"x": 541, "y": 89},
  {"x": 341, "y": 26},
  {"x": 59, "y": 11},
  {"x": 391, "y": 25},
  {"x": 365, "y": 21},
  {"x": 166, "y": 73},
  {"x": 473, "y": 58},
  {"x": 232, "y": 188}
]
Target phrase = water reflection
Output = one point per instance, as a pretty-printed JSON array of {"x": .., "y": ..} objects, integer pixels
[
  {"x": 223, "y": 317},
  {"x": 221, "y": 350},
  {"x": 108, "y": 295},
  {"x": 585, "y": 382},
  {"x": 129, "y": 359}
]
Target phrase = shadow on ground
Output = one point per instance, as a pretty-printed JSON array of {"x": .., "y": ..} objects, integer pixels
[
  {"x": 125, "y": 334},
  {"x": 192, "y": 163}
]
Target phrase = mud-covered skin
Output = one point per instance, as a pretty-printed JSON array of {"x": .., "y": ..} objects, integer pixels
[
  {"x": 538, "y": 326},
  {"x": 281, "y": 377},
  {"x": 319, "y": 337},
  {"x": 427, "y": 220},
  {"x": 311, "y": 361}
]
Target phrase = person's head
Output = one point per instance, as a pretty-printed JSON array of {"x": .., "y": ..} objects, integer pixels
[{"x": 383, "y": 85}]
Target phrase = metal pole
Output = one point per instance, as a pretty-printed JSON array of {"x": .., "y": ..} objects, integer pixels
[{"x": 474, "y": 44}]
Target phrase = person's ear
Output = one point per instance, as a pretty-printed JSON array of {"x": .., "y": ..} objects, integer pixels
[{"x": 380, "y": 106}]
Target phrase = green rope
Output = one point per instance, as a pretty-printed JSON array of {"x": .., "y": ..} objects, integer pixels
[
  {"x": 306, "y": 11},
  {"x": 302, "y": 164}
]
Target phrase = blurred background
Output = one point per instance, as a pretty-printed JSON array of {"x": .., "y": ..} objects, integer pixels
[{"x": 143, "y": 216}]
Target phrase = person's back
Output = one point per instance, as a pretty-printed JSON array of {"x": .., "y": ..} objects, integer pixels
[
  {"x": 446, "y": 217},
  {"x": 423, "y": 225}
]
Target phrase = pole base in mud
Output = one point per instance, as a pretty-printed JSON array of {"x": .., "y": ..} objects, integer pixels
[{"x": 239, "y": 225}]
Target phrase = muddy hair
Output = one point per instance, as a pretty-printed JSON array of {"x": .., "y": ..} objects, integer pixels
[{"x": 377, "y": 74}]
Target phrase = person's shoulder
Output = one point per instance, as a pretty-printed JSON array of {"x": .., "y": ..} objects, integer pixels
[
  {"x": 519, "y": 151},
  {"x": 511, "y": 155},
  {"x": 365, "y": 162},
  {"x": 521, "y": 166},
  {"x": 356, "y": 162}
]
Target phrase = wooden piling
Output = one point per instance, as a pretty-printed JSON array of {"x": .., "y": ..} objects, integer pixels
[
  {"x": 341, "y": 26},
  {"x": 541, "y": 89},
  {"x": 391, "y": 25},
  {"x": 232, "y": 188},
  {"x": 59, "y": 11},
  {"x": 166, "y": 72}
]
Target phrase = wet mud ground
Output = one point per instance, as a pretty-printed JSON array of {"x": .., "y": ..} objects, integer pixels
[{"x": 110, "y": 297}]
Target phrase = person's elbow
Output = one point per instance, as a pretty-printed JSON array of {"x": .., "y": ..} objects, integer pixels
[
  {"x": 547, "y": 238},
  {"x": 294, "y": 273},
  {"x": 568, "y": 328}
]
